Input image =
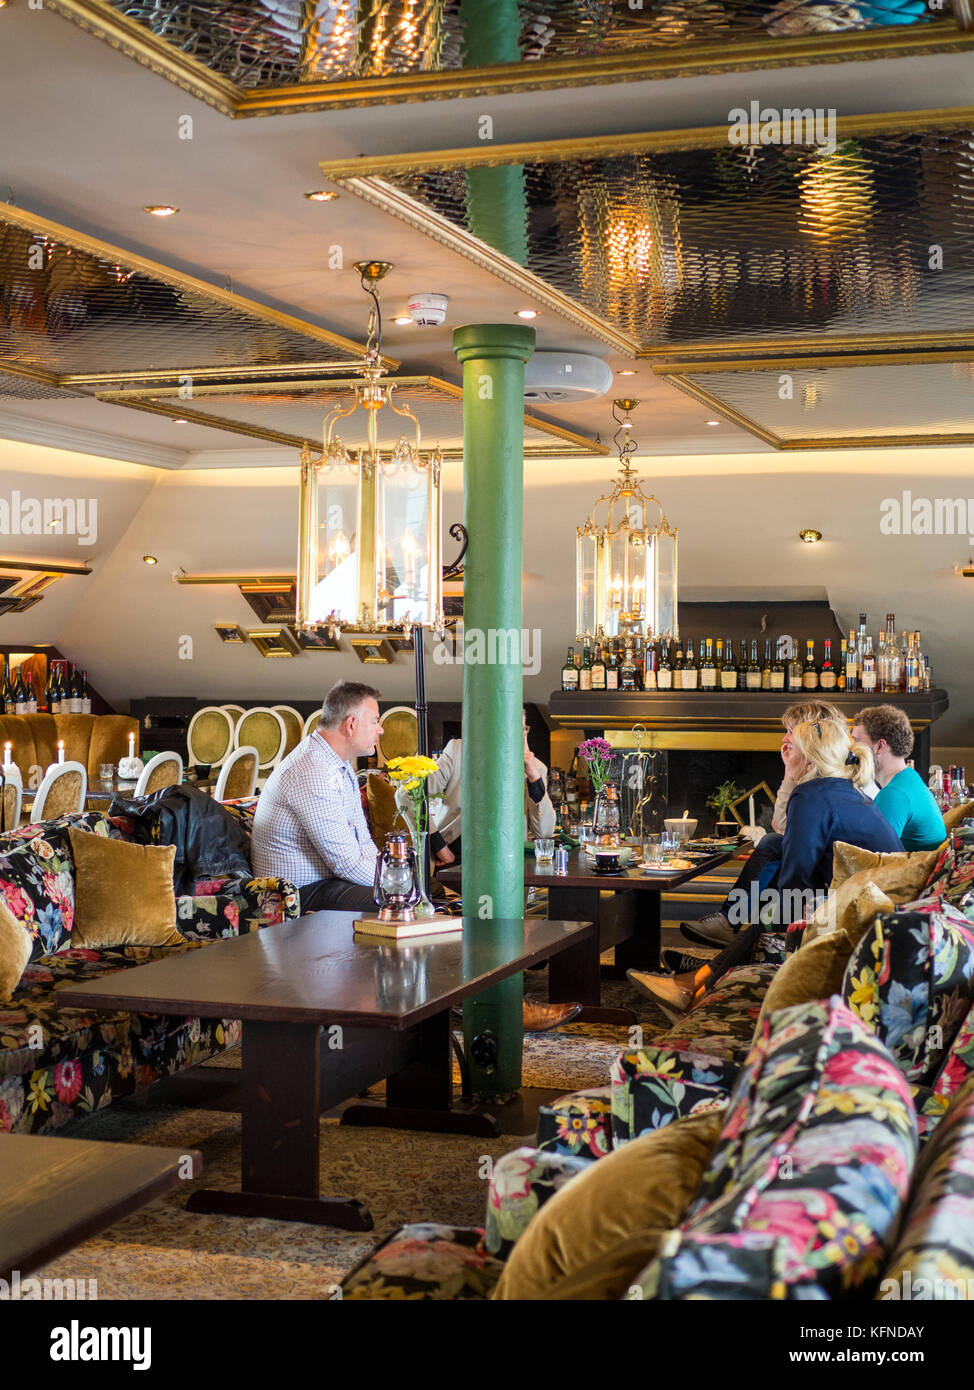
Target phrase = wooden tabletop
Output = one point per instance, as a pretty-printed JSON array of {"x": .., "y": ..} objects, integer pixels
[
  {"x": 314, "y": 970},
  {"x": 55, "y": 1193},
  {"x": 580, "y": 875}
]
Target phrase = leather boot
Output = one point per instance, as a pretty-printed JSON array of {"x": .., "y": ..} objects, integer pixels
[{"x": 541, "y": 1018}]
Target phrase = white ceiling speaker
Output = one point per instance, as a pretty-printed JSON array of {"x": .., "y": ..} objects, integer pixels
[
  {"x": 428, "y": 310},
  {"x": 566, "y": 376}
]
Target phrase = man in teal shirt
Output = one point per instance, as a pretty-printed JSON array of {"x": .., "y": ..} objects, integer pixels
[{"x": 904, "y": 798}]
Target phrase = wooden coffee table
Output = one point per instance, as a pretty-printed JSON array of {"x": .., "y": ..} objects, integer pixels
[
  {"x": 630, "y": 921},
  {"x": 385, "y": 1009},
  {"x": 55, "y": 1193}
]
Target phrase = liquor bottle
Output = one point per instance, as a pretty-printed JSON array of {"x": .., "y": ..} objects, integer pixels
[
  {"x": 889, "y": 659},
  {"x": 840, "y": 667},
  {"x": 861, "y": 640},
  {"x": 598, "y": 669},
  {"x": 742, "y": 666},
  {"x": 678, "y": 666},
  {"x": 85, "y": 694},
  {"x": 912, "y": 669},
  {"x": 810, "y": 674},
  {"x": 31, "y": 697},
  {"x": 753, "y": 679},
  {"x": 719, "y": 663},
  {"x": 728, "y": 673},
  {"x": 20, "y": 694},
  {"x": 569, "y": 672},
  {"x": 664, "y": 672},
  {"x": 777, "y": 671},
  {"x": 868, "y": 674},
  {"x": 627, "y": 671},
  {"x": 958, "y": 787},
  {"x": 612, "y": 669},
  {"x": 691, "y": 671},
  {"x": 585, "y": 674},
  {"x": 708, "y": 668},
  {"x": 795, "y": 672},
  {"x": 6, "y": 693},
  {"x": 766, "y": 668},
  {"x": 852, "y": 664},
  {"x": 827, "y": 678},
  {"x": 904, "y": 649},
  {"x": 646, "y": 668}
]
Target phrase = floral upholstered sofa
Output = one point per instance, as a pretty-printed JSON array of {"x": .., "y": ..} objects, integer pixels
[{"x": 58, "y": 1063}]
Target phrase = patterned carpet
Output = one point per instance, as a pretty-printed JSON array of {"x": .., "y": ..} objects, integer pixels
[{"x": 164, "y": 1252}]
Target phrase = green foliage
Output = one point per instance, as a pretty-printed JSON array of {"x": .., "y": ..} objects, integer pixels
[{"x": 722, "y": 797}]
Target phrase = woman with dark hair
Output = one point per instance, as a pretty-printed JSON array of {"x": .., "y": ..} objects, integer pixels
[{"x": 828, "y": 804}]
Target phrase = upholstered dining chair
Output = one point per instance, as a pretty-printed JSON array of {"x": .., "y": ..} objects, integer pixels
[
  {"x": 311, "y": 723},
  {"x": 234, "y": 711},
  {"x": 400, "y": 736},
  {"x": 209, "y": 738},
  {"x": 238, "y": 775},
  {"x": 62, "y": 790},
  {"x": 164, "y": 770},
  {"x": 294, "y": 725},
  {"x": 11, "y": 797},
  {"x": 262, "y": 728}
]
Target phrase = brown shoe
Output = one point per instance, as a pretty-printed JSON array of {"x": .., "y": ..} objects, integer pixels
[{"x": 541, "y": 1018}]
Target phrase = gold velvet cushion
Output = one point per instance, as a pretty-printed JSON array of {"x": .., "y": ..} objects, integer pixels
[
  {"x": 956, "y": 814},
  {"x": 900, "y": 875},
  {"x": 383, "y": 811},
  {"x": 123, "y": 893},
  {"x": 15, "y": 948},
  {"x": 817, "y": 968},
  {"x": 212, "y": 737},
  {"x": 645, "y": 1186}
]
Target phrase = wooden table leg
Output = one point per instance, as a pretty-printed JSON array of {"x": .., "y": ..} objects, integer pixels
[
  {"x": 641, "y": 950},
  {"x": 575, "y": 973},
  {"x": 279, "y": 1166},
  {"x": 420, "y": 1095}
]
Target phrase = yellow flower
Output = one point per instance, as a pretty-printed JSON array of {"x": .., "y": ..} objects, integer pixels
[
  {"x": 400, "y": 769},
  {"x": 862, "y": 987}
]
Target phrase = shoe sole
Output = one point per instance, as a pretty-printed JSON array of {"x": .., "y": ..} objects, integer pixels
[
  {"x": 685, "y": 963},
  {"x": 675, "y": 1016},
  {"x": 560, "y": 1023},
  {"x": 689, "y": 932}
]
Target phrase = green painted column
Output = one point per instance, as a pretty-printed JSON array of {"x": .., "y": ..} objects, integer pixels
[{"x": 492, "y": 791}]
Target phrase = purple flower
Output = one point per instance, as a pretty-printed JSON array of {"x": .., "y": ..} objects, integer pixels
[{"x": 595, "y": 748}]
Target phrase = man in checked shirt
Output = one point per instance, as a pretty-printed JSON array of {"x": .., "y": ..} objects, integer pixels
[{"x": 309, "y": 826}]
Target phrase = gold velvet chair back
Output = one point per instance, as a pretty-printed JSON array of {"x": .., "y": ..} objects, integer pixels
[
  {"x": 13, "y": 795},
  {"x": 262, "y": 728},
  {"x": 400, "y": 736},
  {"x": 293, "y": 724},
  {"x": 209, "y": 738},
  {"x": 61, "y": 792},
  {"x": 164, "y": 770},
  {"x": 238, "y": 775},
  {"x": 311, "y": 723},
  {"x": 234, "y": 711}
]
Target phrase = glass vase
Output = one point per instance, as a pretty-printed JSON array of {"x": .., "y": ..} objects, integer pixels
[{"x": 423, "y": 908}]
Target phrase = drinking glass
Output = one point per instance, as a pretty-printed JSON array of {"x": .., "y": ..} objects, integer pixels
[
  {"x": 544, "y": 851},
  {"x": 669, "y": 842},
  {"x": 653, "y": 849},
  {"x": 106, "y": 771}
]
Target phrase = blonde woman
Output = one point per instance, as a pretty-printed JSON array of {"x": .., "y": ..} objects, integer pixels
[{"x": 828, "y": 803}]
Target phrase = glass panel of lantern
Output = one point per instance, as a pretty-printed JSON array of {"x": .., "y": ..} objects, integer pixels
[
  {"x": 408, "y": 581},
  {"x": 665, "y": 582},
  {"x": 336, "y": 522},
  {"x": 586, "y": 568}
]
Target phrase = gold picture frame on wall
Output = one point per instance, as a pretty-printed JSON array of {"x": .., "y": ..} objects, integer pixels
[
  {"x": 315, "y": 639},
  {"x": 230, "y": 632},
  {"x": 743, "y": 801},
  {"x": 373, "y": 651},
  {"x": 273, "y": 641}
]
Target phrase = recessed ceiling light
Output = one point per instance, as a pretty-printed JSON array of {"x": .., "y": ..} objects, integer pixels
[
  {"x": 627, "y": 371},
  {"x": 527, "y": 313},
  {"x": 809, "y": 536},
  {"x": 150, "y": 560},
  {"x": 402, "y": 319},
  {"x": 713, "y": 423},
  {"x": 321, "y": 195},
  {"x": 180, "y": 421},
  {"x": 160, "y": 210}
]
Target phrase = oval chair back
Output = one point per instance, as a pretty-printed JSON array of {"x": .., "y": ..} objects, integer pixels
[
  {"x": 238, "y": 775},
  {"x": 294, "y": 725},
  {"x": 164, "y": 770},
  {"x": 62, "y": 791},
  {"x": 12, "y": 797},
  {"x": 311, "y": 723},
  {"x": 209, "y": 738},
  {"x": 234, "y": 711},
  {"x": 400, "y": 734},
  {"x": 262, "y": 728}
]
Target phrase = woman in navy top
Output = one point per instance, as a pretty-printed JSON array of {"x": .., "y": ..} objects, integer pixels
[{"x": 827, "y": 805}]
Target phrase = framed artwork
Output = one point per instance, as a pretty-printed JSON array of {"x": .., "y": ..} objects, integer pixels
[
  {"x": 317, "y": 640},
  {"x": 453, "y": 600},
  {"x": 230, "y": 632},
  {"x": 273, "y": 603},
  {"x": 24, "y": 603},
  {"x": 33, "y": 585},
  {"x": 273, "y": 641},
  {"x": 740, "y": 808},
  {"x": 7, "y": 604},
  {"x": 373, "y": 651}
]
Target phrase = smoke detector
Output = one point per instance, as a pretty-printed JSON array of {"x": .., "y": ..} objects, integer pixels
[
  {"x": 566, "y": 376},
  {"x": 428, "y": 310}
]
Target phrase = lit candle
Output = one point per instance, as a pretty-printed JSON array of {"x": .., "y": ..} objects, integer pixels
[
  {"x": 60, "y": 750},
  {"x": 750, "y": 810},
  {"x": 7, "y": 750},
  {"x": 131, "y": 745}
]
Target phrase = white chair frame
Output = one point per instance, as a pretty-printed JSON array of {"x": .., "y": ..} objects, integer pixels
[
  {"x": 151, "y": 766},
  {"x": 221, "y": 782},
  {"x": 12, "y": 777},
  {"x": 235, "y": 711},
  {"x": 210, "y": 709},
  {"x": 270, "y": 765},
  {"x": 311, "y": 723},
  {"x": 289, "y": 709},
  {"x": 52, "y": 774}
]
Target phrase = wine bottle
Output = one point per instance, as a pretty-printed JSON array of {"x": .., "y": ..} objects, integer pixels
[
  {"x": 598, "y": 669},
  {"x": 742, "y": 666},
  {"x": 777, "y": 671},
  {"x": 691, "y": 671},
  {"x": 6, "y": 694},
  {"x": 810, "y": 674},
  {"x": 753, "y": 681},
  {"x": 646, "y": 676},
  {"x": 728, "y": 671},
  {"x": 569, "y": 672},
  {"x": 766, "y": 668},
  {"x": 627, "y": 672},
  {"x": 664, "y": 672},
  {"x": 795, "y": 672},
  {"x": 852, "y": 664},
  {"x": 31, "y": 697},
  {"x": 612, "y": 668},
  {"x": 889, "y": 659},
  {"x": 20, "y": 694},
  {"x": 85, "y": 694},
  {"x": 867, "y": 676},
  {"x": 678, "y": 665},
  {"x": 840, "y": 668},
  {"x": 585, "y": 674},
  {"x": 708, "y": 668},
  {"x": 827, "y": 677}
]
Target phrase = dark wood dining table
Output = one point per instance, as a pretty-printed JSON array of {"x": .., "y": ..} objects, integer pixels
[{"x": 626, "y": 909}]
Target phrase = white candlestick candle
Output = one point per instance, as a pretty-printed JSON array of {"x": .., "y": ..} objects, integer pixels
[
  {"x": 60, "y": 750},
  {"x": 131, "y": 745},
  {"x": 750, "y": 810},
  {"x": 7, "y": 750}
]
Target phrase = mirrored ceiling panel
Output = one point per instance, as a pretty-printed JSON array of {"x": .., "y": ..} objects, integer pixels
[
  {"x": 707, "y": 245},
  {"x": 293, "y": 413}
]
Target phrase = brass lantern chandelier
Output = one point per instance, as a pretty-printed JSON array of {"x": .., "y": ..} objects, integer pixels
[
  {"x": 626, "y": 576},
  {"x": 369, "y": 521}
]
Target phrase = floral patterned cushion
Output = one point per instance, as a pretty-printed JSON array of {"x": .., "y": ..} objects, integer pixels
[
  {"x": 934, "y": 1256},
  {"x": 952, "y": 878},
  {"x": 426, "y": 1262},
  {"x": 656, "y": 1085},
  {"x": 816, "y": 1152},
  {"x": 578, "y": 1125},
  {"x": 37, "y": 877},
  {"x": 911, "y": 978},
  {"x": 521, "y": 1182},
  {"x": 958, "y": 1065}
]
